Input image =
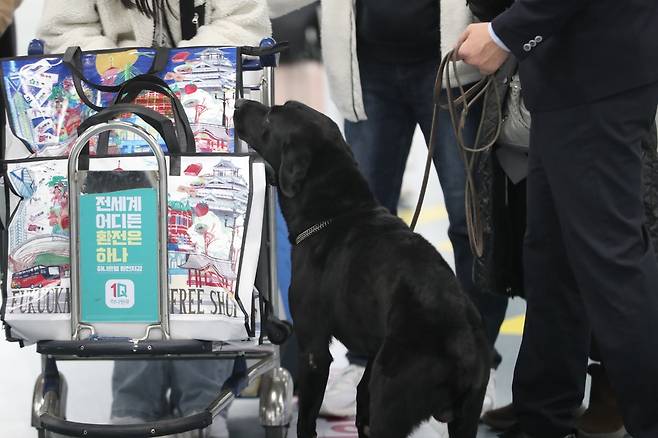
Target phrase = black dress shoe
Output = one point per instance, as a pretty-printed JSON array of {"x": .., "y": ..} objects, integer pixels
[
  {"x": 504, "y": 418},
  {"x": 602, "y": 419},
  {"x": 516, "y": 432},
  {"x": 500, "y": 419}
]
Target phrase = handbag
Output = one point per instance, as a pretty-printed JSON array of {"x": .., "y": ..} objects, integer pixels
[{"x": 515, "y": 125}]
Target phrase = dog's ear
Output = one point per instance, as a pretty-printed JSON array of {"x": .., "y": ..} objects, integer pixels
[{"x": 295, "y": 161}]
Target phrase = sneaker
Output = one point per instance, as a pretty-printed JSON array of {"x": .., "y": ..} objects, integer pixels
[
  {"x": 218, "y": 428},
  {"x": 501, "y": 419},
  {"x": 340, "y": 394},
  {"x": 516, "y": 432},
  {"x": 126, "y": 420},
  {"x": 602, "y": 419},
  {"x": 431, "y": 428},
  {"x": 490, "y": 396},
  {"x": 504, "y": 418}
]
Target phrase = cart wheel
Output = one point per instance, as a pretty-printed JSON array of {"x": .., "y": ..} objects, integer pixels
[
  {"x": 276, "y": 432},
  {"x": 278, "y": 331}
]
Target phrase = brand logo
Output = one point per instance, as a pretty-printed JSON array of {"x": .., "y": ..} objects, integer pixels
[{"x": 119, "y": 294}]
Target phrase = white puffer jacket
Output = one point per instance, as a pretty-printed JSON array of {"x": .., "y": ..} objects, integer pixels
[
  {"x": 103, "y": 24},
  {"x": 339, "y": 46},
  {"x": 7, "y": 8}
]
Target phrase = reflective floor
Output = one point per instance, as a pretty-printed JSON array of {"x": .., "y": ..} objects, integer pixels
[{"x": 243, "y": 423}]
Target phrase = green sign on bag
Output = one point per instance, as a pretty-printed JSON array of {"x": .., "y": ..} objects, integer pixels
[{"x": 118, "y": 237}]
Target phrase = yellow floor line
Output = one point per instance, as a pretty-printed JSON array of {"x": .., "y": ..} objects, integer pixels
[
  {"x": 513, "y": 326},
  {"x": 444, "y": 246},
  {"x": 427, "y": 215}
]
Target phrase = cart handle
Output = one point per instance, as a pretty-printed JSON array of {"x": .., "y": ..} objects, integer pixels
[
  {"x": 157, "y": 428},
  {"x": 117, "y": 346},
  {"x": 74, "y": 156}
]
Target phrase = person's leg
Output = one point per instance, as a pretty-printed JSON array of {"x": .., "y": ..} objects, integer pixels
[
  {"x": 381, "y": 143},
  {"x": 549, "y": 378},
  {"x": 139, "y": 389},
  {"x": 593, "y": 163},
  {"x": 603, "y": 416},
  {"x": 195, "y": 384}
]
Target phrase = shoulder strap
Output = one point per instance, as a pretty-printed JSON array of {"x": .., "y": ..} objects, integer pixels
[{"x": 191, "y": 18}]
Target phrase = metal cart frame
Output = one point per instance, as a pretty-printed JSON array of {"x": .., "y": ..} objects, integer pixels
[{"x": 276, "y": 390}]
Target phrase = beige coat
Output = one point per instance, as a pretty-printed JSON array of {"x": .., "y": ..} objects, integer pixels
[
  {"x": 7, "y": 8},
  {"x": 103, "y": 24},
  {"x": 339, "y": 46}
]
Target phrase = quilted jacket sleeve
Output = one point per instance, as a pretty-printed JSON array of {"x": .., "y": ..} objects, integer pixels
[{"x": 67, "y": 23}]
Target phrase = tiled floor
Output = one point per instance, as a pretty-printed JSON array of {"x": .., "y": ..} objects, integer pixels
[{"x": 243, "y": 421}]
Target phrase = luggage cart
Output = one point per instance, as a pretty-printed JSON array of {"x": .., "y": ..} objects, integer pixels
[{"x": 250, "y": 361}]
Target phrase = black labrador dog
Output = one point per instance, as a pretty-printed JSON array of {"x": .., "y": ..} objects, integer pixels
[{"x": 360, "y": 274}]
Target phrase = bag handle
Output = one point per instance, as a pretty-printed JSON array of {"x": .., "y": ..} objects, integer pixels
[
  {"x": 73, "y": 60},
  {"x": 160, "y": 123},
  {"x": 157, "y": 121},
  {"x": 132, "y": 88},
  {"x": 266, "y": 50},
  {"x": 191, "y": 18}
]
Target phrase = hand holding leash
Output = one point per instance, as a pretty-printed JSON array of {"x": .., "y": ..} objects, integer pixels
[
  {"x": 476, "y": 47},
  {"x": 459, "y": 106}
]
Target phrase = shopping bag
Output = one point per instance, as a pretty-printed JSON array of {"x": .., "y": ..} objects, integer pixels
[
  {"x": 214, "y": 224},
  {"x": 48, "y": 96}
]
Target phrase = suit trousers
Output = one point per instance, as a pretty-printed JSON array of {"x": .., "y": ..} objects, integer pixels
[{"x": 590, "y": 266}]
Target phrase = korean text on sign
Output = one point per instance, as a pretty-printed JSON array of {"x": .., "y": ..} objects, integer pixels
[{"x": 118, "y": 226}]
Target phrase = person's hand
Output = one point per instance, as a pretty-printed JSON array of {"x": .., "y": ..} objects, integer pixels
[{"x": 475, "y": 47}]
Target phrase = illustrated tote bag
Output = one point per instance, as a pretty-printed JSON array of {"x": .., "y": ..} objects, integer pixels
[
  {"x": 214, "y": 225},
  {"x": 48, "y": 96}
]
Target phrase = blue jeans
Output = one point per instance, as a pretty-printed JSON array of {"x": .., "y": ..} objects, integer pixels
[
  {"x": 283, "y": 262},
  {"x": 397, "y": 97},
  {"x": 140, "y": 387}
]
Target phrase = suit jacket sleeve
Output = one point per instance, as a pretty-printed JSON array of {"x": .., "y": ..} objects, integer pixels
[
  {"x": 487, "y": 10},
  {"x": 532, "y": 20}
]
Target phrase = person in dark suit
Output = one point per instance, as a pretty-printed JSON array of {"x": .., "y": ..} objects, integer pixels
[{"x": 590, "y": 75}]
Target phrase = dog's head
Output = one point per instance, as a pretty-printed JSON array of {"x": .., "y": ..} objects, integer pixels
[{"x": 297, "y": 141}]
